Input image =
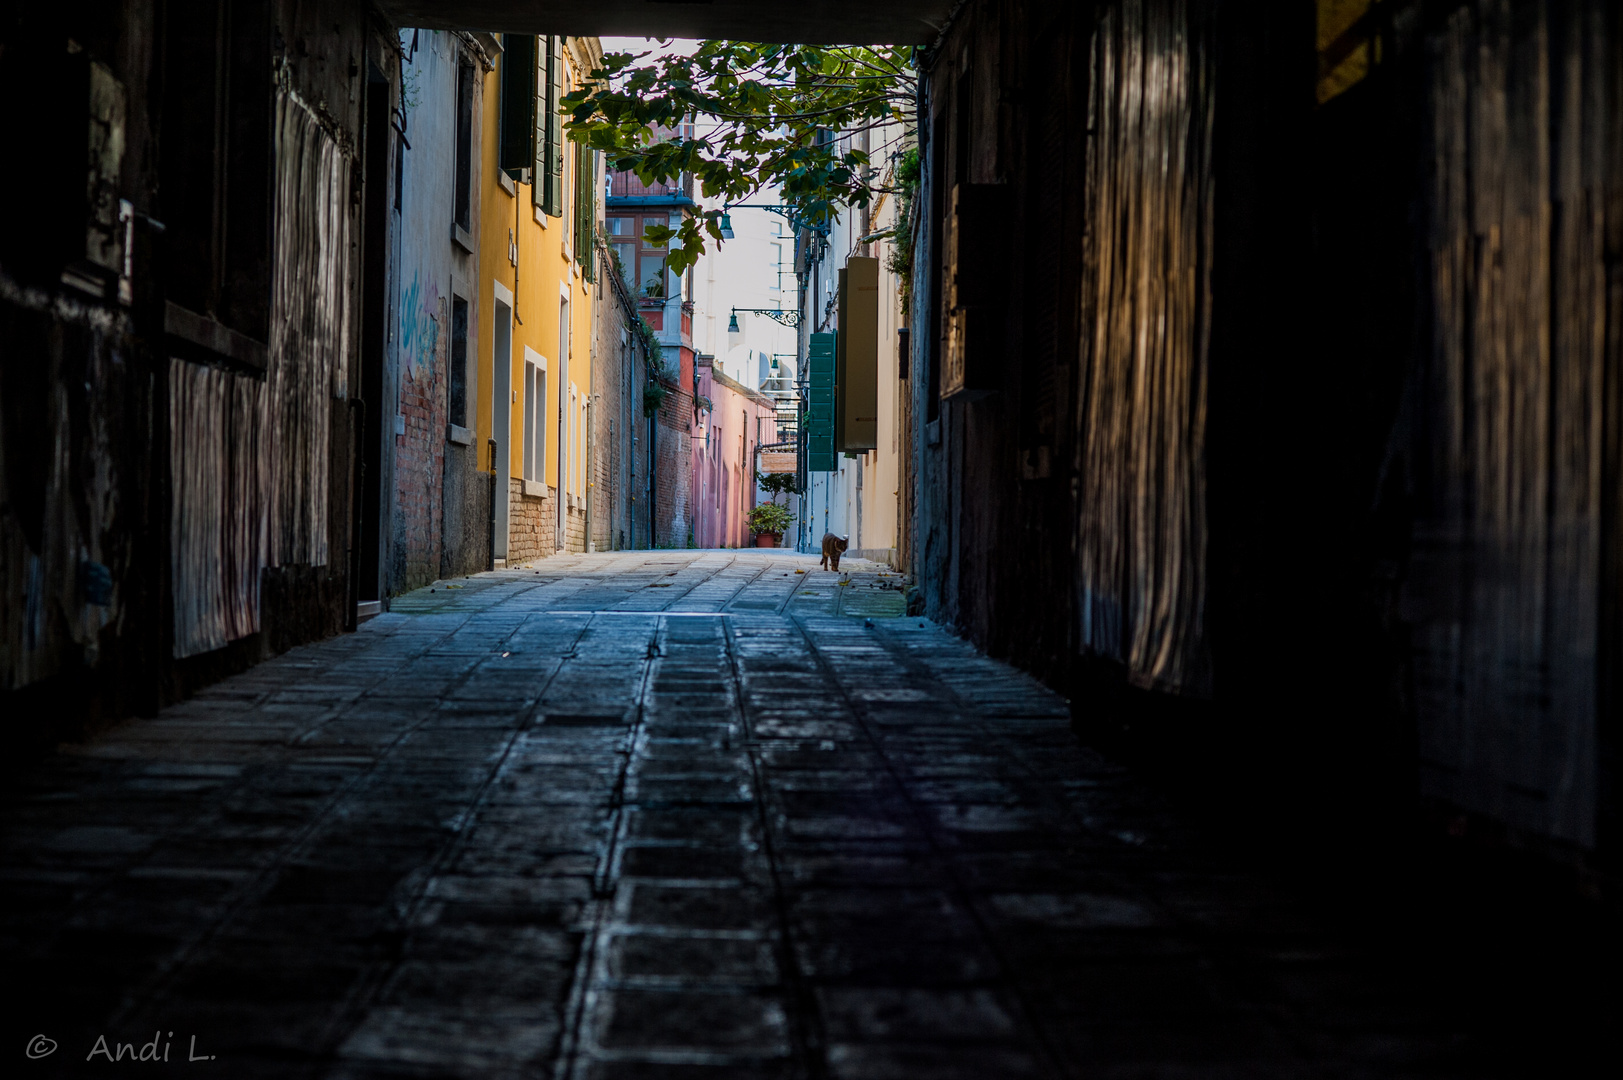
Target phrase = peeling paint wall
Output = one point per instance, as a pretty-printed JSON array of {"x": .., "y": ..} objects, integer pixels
[
  {"x": 71, "y": 507},
  {"x": 441, "y": 527}
]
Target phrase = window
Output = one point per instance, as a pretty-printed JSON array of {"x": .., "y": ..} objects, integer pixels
[
  {"x": 459, "y": 361},
  {"x": 216, "y": 167},
  {"x": 620, "y": 231},
  {"x": 517, "y": 149},
  {"x": 535, "y": 414},
  {"x": 626, "y": 259},
  {"x": 651, "y": 268},
  {"x": 775, "y": 253},
  {"x": 464, "y": 145},
  {"x": 653, "y": 276}
]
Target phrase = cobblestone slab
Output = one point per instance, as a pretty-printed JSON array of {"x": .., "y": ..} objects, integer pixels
[{"x": 661, "y": 814}]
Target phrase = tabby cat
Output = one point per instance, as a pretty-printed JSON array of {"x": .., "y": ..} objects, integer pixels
[{"x": 833, "y": 548}]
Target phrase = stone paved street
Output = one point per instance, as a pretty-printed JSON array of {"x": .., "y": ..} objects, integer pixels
[{"x": 657, "y": 814}]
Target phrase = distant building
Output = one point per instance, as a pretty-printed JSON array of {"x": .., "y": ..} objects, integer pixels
[
  {"x": 665, "y": 300},
  {"x": 851, "y": 304},
  {"x": 621, "y": 493},
  {"x": 730, "y": 423}
]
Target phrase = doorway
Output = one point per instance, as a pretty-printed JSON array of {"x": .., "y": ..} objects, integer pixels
[
  {"x": 566, "y": 443},
  {"x": 501, "y": 417}
]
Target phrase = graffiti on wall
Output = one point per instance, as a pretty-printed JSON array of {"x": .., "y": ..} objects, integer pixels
[{"x": 420, "y": 312}]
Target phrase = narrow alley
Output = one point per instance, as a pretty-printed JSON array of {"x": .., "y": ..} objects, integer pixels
[
  {"x": 661, "y": 814},
  {"x": 424, "y": 427}
]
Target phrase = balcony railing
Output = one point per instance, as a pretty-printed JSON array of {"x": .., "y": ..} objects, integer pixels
[{"x": 627, "y": 185}]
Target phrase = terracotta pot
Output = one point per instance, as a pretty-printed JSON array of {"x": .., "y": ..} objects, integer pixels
[{"x": 765, "y": 540}]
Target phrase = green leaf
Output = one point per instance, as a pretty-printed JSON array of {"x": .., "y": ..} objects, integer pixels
[{"x": 767, "y": 107}]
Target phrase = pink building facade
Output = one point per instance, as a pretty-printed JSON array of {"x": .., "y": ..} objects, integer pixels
[{"x": 730, "y": 421}]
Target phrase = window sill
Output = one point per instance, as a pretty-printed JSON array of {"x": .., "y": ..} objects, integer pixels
[
  {"x": 462, "y": 238},
  {"x": 507, "y": 183},
  {"x": 540, "y": 218},
  {"x": 535, "y": 489},
  {"x": 458, "y": 434}
]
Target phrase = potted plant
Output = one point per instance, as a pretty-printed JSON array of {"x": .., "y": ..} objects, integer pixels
[{"x": 768, "y": 522}]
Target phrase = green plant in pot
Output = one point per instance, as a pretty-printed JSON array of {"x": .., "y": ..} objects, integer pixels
[{"x": 769, "y": 520}]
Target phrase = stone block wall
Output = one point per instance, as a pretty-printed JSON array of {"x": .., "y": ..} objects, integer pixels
[
  {"x": 575, "y": 528},
  {"x": 532, "y": 524}
]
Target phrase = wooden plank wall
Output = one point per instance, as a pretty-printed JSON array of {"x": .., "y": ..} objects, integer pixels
[
  {"x": 1146, "y": 301},
  {"x": 310, "y": 331},
  {"x": 1506, "y": 590},
  {"x": 249, "y": 459},
  {"x": 217, "y": 514}
]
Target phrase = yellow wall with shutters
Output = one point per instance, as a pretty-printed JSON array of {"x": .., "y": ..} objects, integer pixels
[{"x": 548, "y": 270}]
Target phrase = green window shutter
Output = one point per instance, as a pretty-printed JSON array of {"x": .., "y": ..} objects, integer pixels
[
  {"x": 839, "y": 359},
  {"x": 586, "y": 210},
  {"x": 541, "y": 83},
  {"x": 516, "y": 149},
  {"x": 820, "y": 403},
  {"x": 550, "y": 133}
]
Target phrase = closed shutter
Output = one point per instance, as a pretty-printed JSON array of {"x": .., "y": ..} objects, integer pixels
[
  {"x": 541, "y": 179},
  {"x": 586, "y": 211},
  {"x": 549, "y": 161},
  {"x": 820, "y": 403}
]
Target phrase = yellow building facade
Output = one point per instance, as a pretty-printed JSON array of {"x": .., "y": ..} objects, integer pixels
[{"x": 537, "y": 265}]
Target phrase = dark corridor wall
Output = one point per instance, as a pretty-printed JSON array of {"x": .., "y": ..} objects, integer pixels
[
  {"x": 178, "y": 344},
  {"x": 1299, "y": 449}
]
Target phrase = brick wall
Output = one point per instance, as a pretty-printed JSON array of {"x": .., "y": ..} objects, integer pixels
[
  {"x": 620, "y": 455},
  {"x": 575, "y": 528},
  {"x": 532, "y": 524},
  {"x": 673, "y": 469},
  {"x": 419, "y": 467}
]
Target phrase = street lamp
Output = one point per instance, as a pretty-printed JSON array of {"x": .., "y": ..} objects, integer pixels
[
  {"x": 781, "y": 209},
  {"x": 778, "y": 315}
]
